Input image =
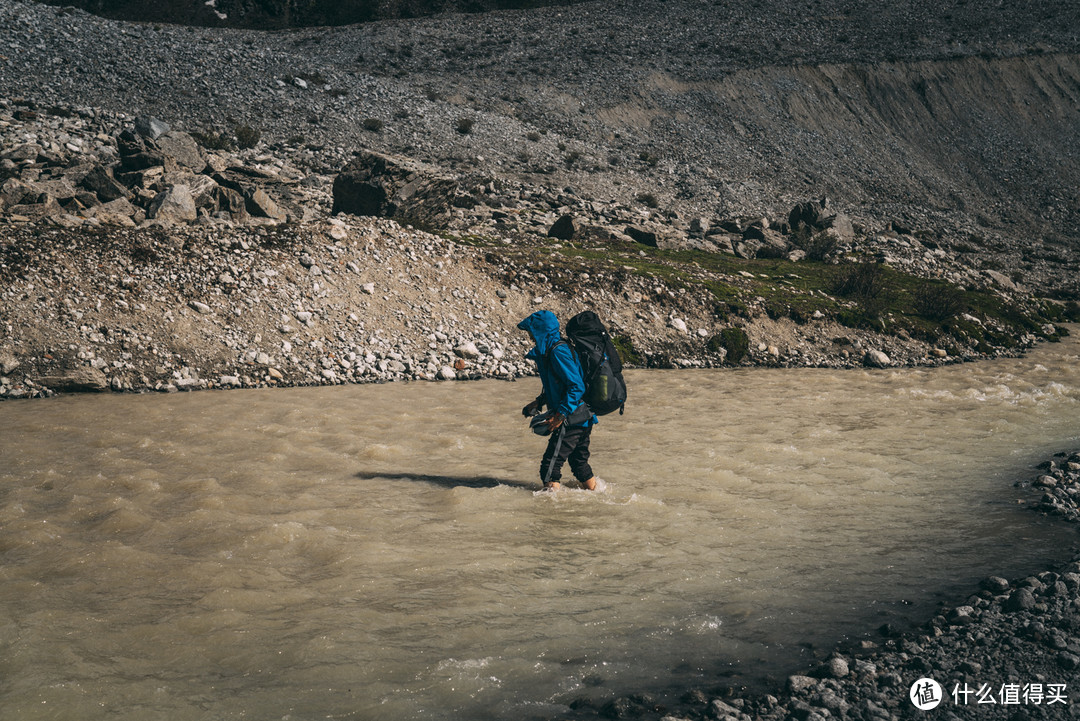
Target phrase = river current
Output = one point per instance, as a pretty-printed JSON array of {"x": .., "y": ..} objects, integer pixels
[{"x": 379, "y": 552}]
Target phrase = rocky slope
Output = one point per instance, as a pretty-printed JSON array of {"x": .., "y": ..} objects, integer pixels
[
  {"x": 956, "y": 120},
  {"x": 276, "y": 14},
  {"x": 135, "y": 259}
]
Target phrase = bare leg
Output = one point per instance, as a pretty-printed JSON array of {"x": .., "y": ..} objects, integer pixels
[
  {"x": 591, "y": 484},
  {"x": 552, "y": 486}
]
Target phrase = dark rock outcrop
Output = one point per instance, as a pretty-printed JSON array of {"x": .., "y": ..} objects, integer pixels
[{"x": 393, "y": 187}]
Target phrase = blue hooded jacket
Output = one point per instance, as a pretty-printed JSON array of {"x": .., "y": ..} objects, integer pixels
[{"x": 560, "y": 372}]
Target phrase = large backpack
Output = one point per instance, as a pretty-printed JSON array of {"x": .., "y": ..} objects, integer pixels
[{"x": 605, "y": 389}]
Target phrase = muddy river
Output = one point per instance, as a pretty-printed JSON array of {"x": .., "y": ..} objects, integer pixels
[{"x": 379, "y": 552}]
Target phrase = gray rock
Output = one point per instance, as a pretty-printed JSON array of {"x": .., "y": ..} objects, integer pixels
[
  {"x": 174, "y": 204},
  {"x": 8, "y": 363},
  {"x": 797, "y": 683},
  {"x": 1068, "y": 661},
  {"x": 203, "y": 188},
  {"x": 200, "y": 307},
  {"x": 100, "y": 181},
  {"x": 446, "y": 373},
  {"x": 995, "y": 584},
  {"x": 876, "y": 359},
  {"x": 83, "y": 379},
  {"x": 837, "y": 667},
  {"x": 1022, "y": 599},
  {"x": 150, "y": 127},
  {"x": 181, "y": 152},
  {"x": 816, "y": 214},
  {"x": 722, "y": 710},
  {"x": 115, "y": 212},
  {"x": 962, "y": 615},
  {"x": 467, "y": 350},
  {"x": 261, "y": 205}
]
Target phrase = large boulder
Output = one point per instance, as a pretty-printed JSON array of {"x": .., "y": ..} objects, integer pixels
[
  {"x": 394, "y": 187},
  {"x": 818, "y": 215},
  {"x": 181, "y": 152},
  {"x": 563, "y": 228},
  {"x": 116, "y": 212},
  {"x": 79, "y": 380},
  {"x": 202, "y": 187},
  {"x": 261, "y": 205},
  {"x": 174, "y": 204},
  {"x": 640, "y": 235},
  {"x": 101, "y": 182}
]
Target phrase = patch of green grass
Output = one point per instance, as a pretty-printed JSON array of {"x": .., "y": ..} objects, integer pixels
[
  {"x": 876, "y": 297},
  {"x": 627, "y": 352}
]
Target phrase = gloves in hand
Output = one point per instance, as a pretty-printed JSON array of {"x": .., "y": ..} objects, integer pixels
[
  {"x": 532, "y": 409},
  {"x": 555, "y": 421}
]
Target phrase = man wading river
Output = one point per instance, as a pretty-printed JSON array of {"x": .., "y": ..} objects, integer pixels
[{"x": 568, "y": 421}]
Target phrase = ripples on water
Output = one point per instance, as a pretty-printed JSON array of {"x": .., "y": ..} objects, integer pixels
[{"x": 379, "y": 552}]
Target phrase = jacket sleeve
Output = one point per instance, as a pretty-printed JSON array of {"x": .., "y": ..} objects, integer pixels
[{"x": 566, "y": 365}]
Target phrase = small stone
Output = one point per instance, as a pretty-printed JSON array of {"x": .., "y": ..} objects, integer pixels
[
  {"x": 837, "y": 667},
  {"x": 799, "y": 683},
  {"x": 1021, "y": 599},
  {"x": 447, "y": 373},
  {"x": 368, "y": 288},
  {"x": 995, "y": 584},
  {"x": 8, "y": 364},
  {"x": 961, "y": 615},
  {"x": 467, "y": 350},
  {"x": 275, "y": 374},
  {"x": 1068, "y": 661},
  {"x": 200, "y": 307},
  {"x": 678, "y": 324}
]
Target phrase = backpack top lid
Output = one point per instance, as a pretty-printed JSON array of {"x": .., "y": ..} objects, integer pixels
[{"x": 591, "y": 340}]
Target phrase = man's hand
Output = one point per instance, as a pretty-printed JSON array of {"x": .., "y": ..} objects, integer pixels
[
  {"x": 532, "y": 409},
  {"x": 555, "y": 421}
]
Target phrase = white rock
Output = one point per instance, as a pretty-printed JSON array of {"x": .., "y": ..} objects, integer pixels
[
  {"x": 876, "y": 359},
  {"x": 200, "y": 307},
  {"x": 678, "y": 324},
  {"x": 447, "y": 373},
  {"x": 467, "y": 350},
  {"x": 368, "y": 288}
]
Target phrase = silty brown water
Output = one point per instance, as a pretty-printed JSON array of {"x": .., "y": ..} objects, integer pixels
[{"x": 372, "y": 552}]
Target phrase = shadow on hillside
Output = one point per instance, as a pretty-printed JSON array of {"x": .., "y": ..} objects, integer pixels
[{"x": 450, "y": 481}]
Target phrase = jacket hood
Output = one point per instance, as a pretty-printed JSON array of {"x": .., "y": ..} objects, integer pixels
[{"x": 543, "y": 326}]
